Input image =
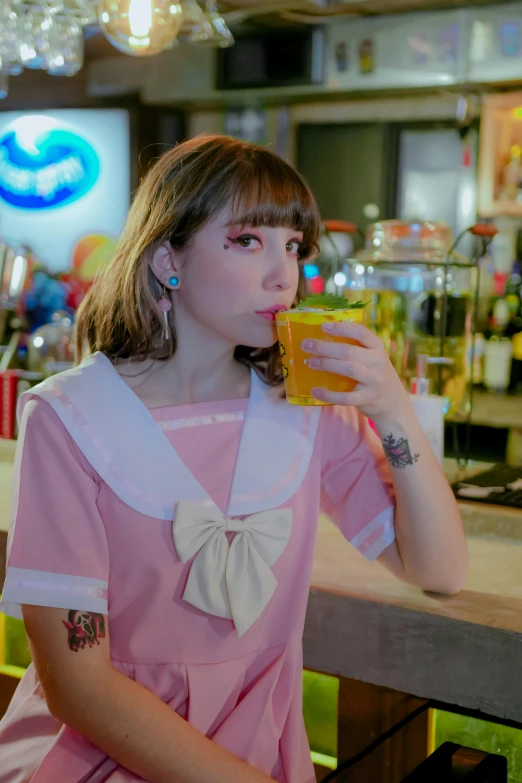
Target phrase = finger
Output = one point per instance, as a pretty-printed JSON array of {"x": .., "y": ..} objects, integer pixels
[
  {"x": 358, "y": 372},
  {"x": 356, "y": 398},
  {"x": 357, "y": 332},
  {"x": 342, "y": 351}
]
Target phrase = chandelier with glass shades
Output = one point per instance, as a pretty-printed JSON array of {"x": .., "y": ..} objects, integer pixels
[{"x": 48, "y": 34}]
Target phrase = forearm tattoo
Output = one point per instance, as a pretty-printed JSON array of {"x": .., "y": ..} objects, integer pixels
[
  {"x": 398, "y": 452},
  {"x": 84, "y": 628}
]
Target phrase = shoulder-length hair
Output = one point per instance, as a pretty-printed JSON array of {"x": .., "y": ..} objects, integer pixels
[{"x": 185, "y": 188}]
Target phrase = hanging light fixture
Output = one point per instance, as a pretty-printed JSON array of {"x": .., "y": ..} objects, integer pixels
[
  {"x": 48, "y": 34},
  {"x": 10, "y": 63},
  {"x": 220, "y": 35},
  {"x": 195, "y": 27},
  {"x": 35, "y": 36},
  {"x": 140, "y": 27}
]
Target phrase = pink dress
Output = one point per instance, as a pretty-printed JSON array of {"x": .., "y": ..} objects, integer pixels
[{"x": 206, "y": 603}]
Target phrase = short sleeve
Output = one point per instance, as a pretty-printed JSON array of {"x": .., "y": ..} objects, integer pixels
[
  {"x": 57, "y": 554},
  {"x": 356, "y": 486}
]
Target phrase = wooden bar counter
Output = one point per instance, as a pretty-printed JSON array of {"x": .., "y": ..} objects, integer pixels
[
  {"x": 393, "y": 646},
  {"x": 465, "y": 650}
]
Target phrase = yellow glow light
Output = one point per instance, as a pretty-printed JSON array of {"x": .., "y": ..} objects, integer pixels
[{"x": 140, "y": 17}]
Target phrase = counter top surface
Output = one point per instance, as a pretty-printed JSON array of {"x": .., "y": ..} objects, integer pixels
[
  {"x": 492, "y": 595},
  {"x": 463, "y": 650}
]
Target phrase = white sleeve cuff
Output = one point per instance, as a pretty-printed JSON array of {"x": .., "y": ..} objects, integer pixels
[
  {"x": 376, "y": 536},
  {"x": 58, "y": 591}
]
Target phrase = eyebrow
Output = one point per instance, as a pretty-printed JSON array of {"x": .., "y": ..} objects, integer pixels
[{"x": 244, "y": 223}]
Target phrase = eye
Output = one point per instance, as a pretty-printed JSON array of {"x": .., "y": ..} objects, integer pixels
[
  {"x": 245, "y": 240},
  {"x": 293, "y": 247}
]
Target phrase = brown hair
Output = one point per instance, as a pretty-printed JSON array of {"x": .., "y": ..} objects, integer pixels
[{"x": 184, "y": 189}]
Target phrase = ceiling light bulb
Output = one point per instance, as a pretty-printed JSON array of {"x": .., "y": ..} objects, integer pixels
[
  {"x": 140, "y": 18},
  {"x": 140, "y": 27}
]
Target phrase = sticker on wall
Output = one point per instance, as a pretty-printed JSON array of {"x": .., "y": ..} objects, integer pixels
[
  {"x": 342, "y": 59},
  {"x": 510, "y": 39},
  {"x": 448, "y": 44},
  {"x": 420, "y": 48},
  {"x": 246, "y": 124},
  {"x": 44, "y": 165},
  {"x": 481, "y": 44},
  {"x": 366, "y": 56}
]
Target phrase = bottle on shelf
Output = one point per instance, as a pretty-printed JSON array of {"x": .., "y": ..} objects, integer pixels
[
  {"x": 498, "y": 317},
  {"x": 512, "y": 176},
  {"x": 513, "y": 329},
  {"x": 514, "y": 281},
  {"x": 476, "y": 347},
  {"x": 515, "y": 378},
  {"x": 498, "y": 347}
]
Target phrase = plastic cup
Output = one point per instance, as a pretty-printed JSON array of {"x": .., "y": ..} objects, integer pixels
[{"x": 294, "y": 326}]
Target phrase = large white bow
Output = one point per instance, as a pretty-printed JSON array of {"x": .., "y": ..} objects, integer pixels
[{"x": 230, "y": 580}]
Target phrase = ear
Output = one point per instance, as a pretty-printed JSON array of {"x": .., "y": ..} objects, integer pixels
[{"x": 164, "y": 263}]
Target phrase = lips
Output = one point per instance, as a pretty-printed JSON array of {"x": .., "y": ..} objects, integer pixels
[{"x": 270, "y": 314}]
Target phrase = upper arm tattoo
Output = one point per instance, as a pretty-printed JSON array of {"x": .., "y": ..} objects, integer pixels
[
  {"x": 84, "y": 628},
  {"x": 398, "y": 452}
]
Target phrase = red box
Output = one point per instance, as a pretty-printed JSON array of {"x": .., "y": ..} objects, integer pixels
[
  {"x": 12, "y": 384},
  {"x": 8, "y": 396}
]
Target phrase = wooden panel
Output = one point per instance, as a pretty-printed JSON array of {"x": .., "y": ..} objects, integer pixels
[
  {"x": 450, "y": 661},
  {"x": 364, "y": 8},
  {"x": 37, "y": 90},
  {"x": 367, "y": 711},
  {"x": 8, "y": 685},
  {"x": 346, "y": 166},
  {"x": 3, "y": 547}
]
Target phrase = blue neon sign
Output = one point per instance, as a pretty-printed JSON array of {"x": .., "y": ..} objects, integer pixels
[{"x": 45, "y": 167}]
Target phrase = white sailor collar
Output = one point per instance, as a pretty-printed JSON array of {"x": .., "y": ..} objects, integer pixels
[{"x": 124, "y": 444}]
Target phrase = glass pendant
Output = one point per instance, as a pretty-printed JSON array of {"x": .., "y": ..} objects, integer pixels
[
  {"x": 66, "y": 46},
  {"x": 35, "y": 34},
  {"x": 10, "y": 63},
  {"x": 140, "y": 27}
]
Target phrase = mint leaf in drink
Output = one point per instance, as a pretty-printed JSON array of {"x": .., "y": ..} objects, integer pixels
[{"x": 329, "y": 302}]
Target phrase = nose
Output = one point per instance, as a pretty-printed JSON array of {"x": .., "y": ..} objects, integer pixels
[{"x": 279, "y": 276}]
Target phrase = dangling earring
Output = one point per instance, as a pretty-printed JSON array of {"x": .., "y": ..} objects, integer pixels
[{"x": 165, "y": 305}]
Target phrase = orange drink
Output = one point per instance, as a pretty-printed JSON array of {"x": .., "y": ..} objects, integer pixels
[{"x": 294, "y": 326}]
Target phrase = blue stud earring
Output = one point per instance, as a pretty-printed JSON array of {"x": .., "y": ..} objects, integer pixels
[{"x": 174, "y": 281}]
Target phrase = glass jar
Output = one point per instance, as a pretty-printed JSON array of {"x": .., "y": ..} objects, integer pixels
[
  {"x": 51, "y": 347},
  {"x": 413, "y": 288}
]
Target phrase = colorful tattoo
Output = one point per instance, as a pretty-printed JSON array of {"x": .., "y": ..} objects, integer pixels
[
  {"x": 85, "y": 628},
  {"x": 398, "y": 452}
]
